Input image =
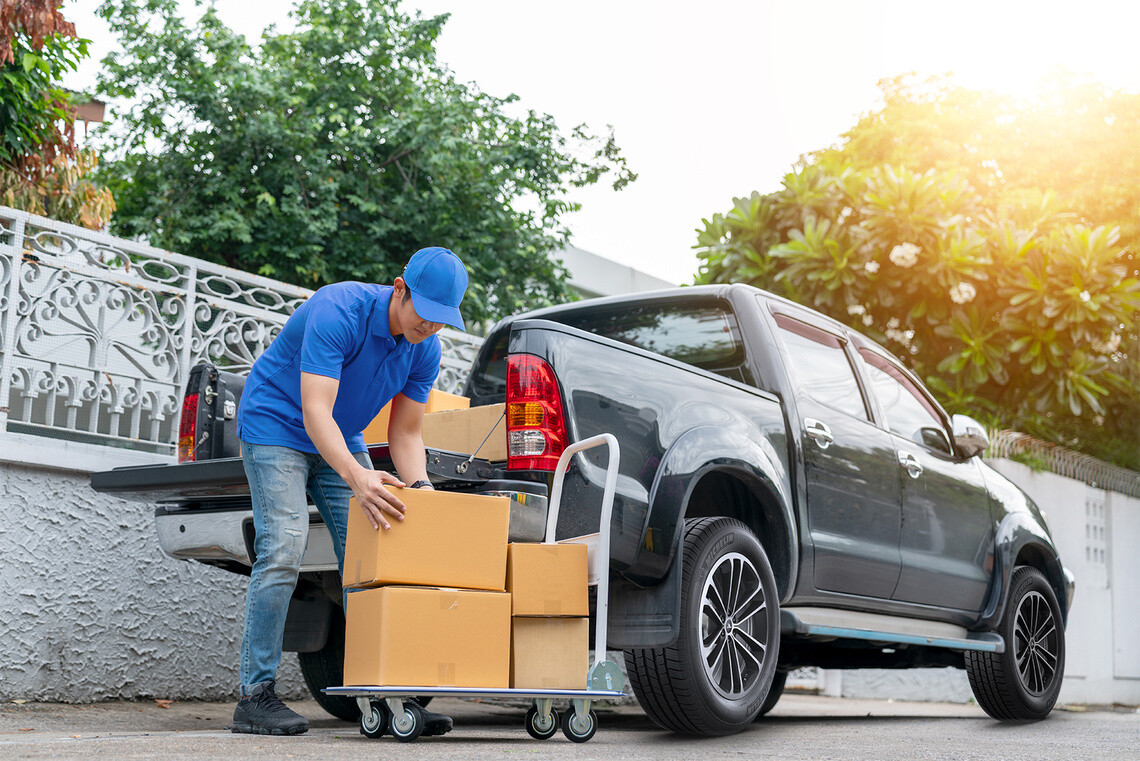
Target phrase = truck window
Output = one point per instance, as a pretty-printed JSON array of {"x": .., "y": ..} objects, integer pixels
[
  {"x": 821, "y": 366},
  {"x": 699, "y": 333},
  {"x": 492, "y": 380},
  {"x": 909, "y": 413}
]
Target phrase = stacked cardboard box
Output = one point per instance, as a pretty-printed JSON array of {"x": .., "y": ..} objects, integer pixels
[
  {"x": 429, "y": 607},
  {"x": 450, "y": 423},
  {"x": 377, "y": 430},
  {"x": 549, "y": 615}
]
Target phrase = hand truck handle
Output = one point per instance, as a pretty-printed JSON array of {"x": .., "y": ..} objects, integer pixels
[{"x": 602, "y": 558}]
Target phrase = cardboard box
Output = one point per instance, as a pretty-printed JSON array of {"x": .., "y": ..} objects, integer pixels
[
  {"x": 467, "y": 431},
  {"x": 445, "y": 540},
  {"x": 377, "y": 430},
  {"x": 547, "y": 579},
  {"x": 549, "y": 653},
  {"x": 425, "y": 637}
]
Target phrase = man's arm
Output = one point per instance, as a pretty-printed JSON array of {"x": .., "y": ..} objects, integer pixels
[
  {"x": 405, "y": 438},
  {"x": 318, "y": 394}
]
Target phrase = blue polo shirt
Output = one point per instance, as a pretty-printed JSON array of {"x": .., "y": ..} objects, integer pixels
[{"x": 340, "y": 332}]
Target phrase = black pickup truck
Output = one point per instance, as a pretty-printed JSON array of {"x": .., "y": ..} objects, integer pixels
[{"x": 789, "y": 495}]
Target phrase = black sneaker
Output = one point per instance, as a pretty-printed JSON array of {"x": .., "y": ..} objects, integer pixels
[
  {"x": 263, "y": 713},
  {"x": 436, "y": 724}
]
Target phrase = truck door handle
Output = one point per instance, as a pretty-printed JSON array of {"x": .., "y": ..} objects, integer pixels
[
  {"x": 818, "y": 432},
  {"x": 911, "y": 463}
]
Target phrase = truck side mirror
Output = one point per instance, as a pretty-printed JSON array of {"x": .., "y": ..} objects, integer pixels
[{"x": 970, "y": 437}]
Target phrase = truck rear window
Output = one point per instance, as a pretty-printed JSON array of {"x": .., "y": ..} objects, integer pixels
[{"x": 701, "y": 334}]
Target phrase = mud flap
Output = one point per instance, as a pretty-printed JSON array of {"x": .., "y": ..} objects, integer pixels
[
  {"x": 307, "y": 623},
  {"x": 646, "y": 616}
]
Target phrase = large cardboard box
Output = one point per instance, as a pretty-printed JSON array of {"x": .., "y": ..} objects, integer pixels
[
  {"x": 547, "y": 579},
  {"x": 445, "y": 540},
  {"x": 481, "y": 431},
  {"x": 377, "y": 430},
  {"x": 426, "y": 637},
  {"x": 549, "y": 653}
]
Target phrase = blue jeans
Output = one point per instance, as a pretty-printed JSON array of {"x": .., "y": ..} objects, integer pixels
[{"x": 279, "y": 478}]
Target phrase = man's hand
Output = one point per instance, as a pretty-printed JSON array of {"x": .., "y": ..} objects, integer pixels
[
  {"x": 318, "y": 395},
  {"x": 376, "y": 501}
]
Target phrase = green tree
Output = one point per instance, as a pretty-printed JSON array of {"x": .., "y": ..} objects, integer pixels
[
  {"x": 1010, "y": 305},
  {"x": 1075, "y": 139},
  {"x": 41, "y": 170},
  {"x": 334, "y": 151}
]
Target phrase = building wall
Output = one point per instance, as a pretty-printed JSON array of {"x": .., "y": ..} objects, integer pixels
[
  {"x": 592, "y": 275},
  {"x": 92, "y": 609}
]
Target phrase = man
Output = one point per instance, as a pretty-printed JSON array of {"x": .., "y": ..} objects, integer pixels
[{"x": 345, "y": 353}]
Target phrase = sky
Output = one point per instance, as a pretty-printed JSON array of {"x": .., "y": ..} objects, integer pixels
[{"x": 712, "y": 100}]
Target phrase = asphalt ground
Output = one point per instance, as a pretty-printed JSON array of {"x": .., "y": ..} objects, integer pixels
[{"x": 800, "y": 727}]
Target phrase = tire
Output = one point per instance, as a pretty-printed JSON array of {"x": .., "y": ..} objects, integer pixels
[
  {"x": 774, "y": 693},
  {"x": 1022, "y": 683},
  {"x": 579, "y": 728},
  {"x": 325, "y": 668},
  {"x": 536, "y": 729},
  {"x": 713, "y": 680},
  {"x": 374, "y": 723},
  {"x": 408, "y": 727}
]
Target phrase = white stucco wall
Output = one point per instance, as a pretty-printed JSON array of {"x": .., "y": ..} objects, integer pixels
[
  {"x": 1097, "y": 533},
  {"x": 92, "y": 609}
]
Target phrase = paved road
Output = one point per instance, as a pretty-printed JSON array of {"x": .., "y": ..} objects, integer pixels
[{"x": 801, "y": 727}]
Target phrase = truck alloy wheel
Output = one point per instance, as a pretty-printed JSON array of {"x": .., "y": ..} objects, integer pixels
[
  {"x": 714, "y": 678},
  {"x": 732, "y": 603},
  {"x": 1022, "y": 683}
]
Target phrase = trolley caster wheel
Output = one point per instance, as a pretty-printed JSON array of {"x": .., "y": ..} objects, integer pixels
[
  {"x": 578, "y": 727},
  {"x": 374, "y": 721},
  {"x": 539, "y": 729},
  {"x": 408, "y": 725}
]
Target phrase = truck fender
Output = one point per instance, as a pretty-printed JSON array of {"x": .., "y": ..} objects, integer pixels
[
  {"x": 700, "y": 451},
  {"x": 1018, "y": 533}
]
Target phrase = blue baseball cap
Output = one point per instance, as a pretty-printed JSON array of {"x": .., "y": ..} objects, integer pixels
[{"x": 437, "y": 280}]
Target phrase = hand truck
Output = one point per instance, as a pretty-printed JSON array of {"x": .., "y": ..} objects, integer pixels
[{"x": 392, "y": 710}]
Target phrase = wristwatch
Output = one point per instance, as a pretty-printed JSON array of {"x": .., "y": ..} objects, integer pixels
[{"x": 421, "y": 484}]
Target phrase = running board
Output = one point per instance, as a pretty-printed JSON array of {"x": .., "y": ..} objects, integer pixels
[{"x": 846, "y": 624}]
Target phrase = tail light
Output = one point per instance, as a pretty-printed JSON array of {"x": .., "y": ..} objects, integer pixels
[
  {"x": 536, "y": 427},
  {"x": 188, "y": 428}
]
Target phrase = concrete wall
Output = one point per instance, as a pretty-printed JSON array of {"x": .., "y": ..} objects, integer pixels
[
  {"x": 1097, "y": 533},
  {"x": 92, "y": 609}
]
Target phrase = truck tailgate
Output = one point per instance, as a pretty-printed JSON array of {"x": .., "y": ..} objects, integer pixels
[{"x": 224, "y": 479}]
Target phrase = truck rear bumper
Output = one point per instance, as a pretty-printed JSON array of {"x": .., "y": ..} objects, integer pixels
[{"x": 226, "y": 536}]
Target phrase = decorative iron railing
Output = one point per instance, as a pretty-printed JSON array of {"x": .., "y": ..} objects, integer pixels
[
  {"x": 97, "y": 334},
  {"x": 1066, "y": 462}
]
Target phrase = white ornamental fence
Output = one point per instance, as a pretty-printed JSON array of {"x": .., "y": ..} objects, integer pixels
[{"x": 97, "y": 336}]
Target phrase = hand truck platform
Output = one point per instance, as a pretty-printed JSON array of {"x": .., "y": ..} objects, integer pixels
[{"x": 393, "y": 710}]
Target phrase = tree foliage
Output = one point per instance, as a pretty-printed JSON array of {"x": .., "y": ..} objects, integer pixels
[
  {"x": 334, "y": 151},
  {"x": 41, "y": 170},
  {"x": 944, "y": 230}
]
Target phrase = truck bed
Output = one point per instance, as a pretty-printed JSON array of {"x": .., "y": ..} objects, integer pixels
[{"x": 210, "y": 481}]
